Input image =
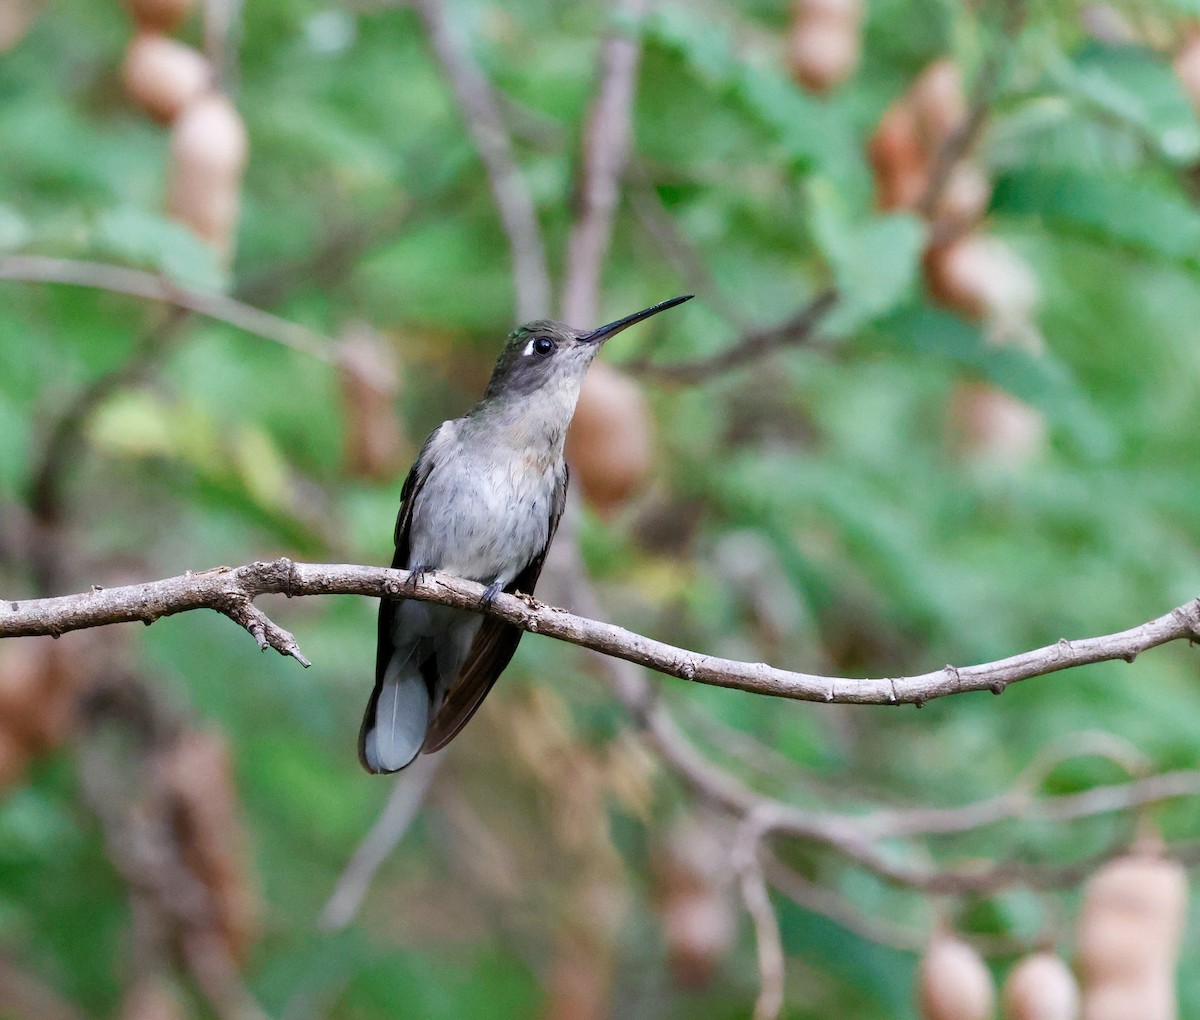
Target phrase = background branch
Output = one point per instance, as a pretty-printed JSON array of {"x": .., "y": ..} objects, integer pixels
[
  {"x": 152, "y": 287},
  {"x": 481, "y": 111},
  {"x": 799, "y": 329},
  {"x": 606, "y": 144}
]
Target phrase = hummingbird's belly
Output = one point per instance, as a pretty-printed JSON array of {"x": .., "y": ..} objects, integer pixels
[{"x": 484, "y": 522}]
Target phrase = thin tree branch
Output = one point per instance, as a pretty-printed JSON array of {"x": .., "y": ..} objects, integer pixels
[
  {"x": 485, "y": 125},
  {"x": 334, "y": 258},
  {"x": 24, "y": 995},
  {"x": 152, "y": 287},
  {"x": 606, "y": 143},
  {"x": 231, "y": 591},
  {"x": 402, "y": 807},
  {"x": 757, "y": 898},
  {"x": 226, "y": 589},
  {"x": 658, "y": 222},
  {"x": 818, "y": 900},
  {"x": 792, "y": 332},
  {"x": 65, "y": 443}
]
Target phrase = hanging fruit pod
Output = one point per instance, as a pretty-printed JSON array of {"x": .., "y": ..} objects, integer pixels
[
  {"x": 164, "y": 76},
  {"x": 207, "y": 156},
  {"x": 1040, "y": 987},
  {"x": 953, "y": 983},
  {"x": 610, "y": 445},
  {"x": 159, "y": 15},
  {"x": 1129, "y": 932},
  {"x": 373, "y": 444},
  {"x": 824, "y": 42}
]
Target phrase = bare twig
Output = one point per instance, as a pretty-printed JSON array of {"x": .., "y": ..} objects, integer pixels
[
  {"x": 22, "y": 994},
  {"x": 333, "y": 259},
  {"x": 480, "y": 110},
  {"x": 219, "y": 587},
  {"x": 393, "y": 822},
  {"x": 819, "y": 900},
  {"x": 65, "y": 443},
  {"x": 756, "y": 896},
  {"x": 151, "y": 287},
  {"x": 606, "y": 144},
  {"x": 658, "y": 222},
  {"x": 799, "y": 329}
]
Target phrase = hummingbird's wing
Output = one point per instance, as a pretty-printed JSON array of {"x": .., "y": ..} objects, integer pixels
[
  {"x": 492, "y": 648},
  {"x": 385, "y": 646}
]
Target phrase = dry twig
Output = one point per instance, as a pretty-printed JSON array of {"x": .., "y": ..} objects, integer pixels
[
  {"x": 481, "y": 111},
  {"x": 228, "y": 589},
  {"x": 798, "y": 329},
  {"x": 605, "y": 153},
  {"x": 756, "y": 896},
  {"x": 152, "y": 287}
]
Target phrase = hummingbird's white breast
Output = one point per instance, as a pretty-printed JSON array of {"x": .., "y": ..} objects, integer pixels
[{"x": 484, "y": 511}]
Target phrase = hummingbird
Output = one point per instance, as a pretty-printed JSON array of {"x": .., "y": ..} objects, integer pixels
[{"x": 482, "y": 502}]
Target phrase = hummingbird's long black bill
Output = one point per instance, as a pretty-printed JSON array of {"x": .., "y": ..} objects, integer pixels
[{"x": 613, "y": 328}]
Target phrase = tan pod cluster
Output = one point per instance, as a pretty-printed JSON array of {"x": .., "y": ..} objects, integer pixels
[
  {"x": 978, "y": 276},
  {"x": 174, "y": 84},
  {"x": 1129, "y": 931}
]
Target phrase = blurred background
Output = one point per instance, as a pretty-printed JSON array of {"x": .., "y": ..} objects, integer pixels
[{"x": 935, "y": 403}]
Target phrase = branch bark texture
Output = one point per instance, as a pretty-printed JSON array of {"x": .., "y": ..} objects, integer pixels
[{"x": 232, "y": 590}]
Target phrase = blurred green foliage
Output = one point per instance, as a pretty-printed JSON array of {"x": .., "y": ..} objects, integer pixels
[{"x": 881, "y": 549}]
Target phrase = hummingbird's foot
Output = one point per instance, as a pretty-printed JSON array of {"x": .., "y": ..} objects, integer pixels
[
  {"x": 416, "y": 575},
  {"x": 489, "y": 595},
  {"x": 530, "y": 601}
]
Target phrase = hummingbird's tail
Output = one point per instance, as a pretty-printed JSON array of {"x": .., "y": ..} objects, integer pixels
[{"x": 397, "y": 717}]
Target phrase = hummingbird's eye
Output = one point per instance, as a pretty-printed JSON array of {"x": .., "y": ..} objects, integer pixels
[{"x": 543, "y": 346}]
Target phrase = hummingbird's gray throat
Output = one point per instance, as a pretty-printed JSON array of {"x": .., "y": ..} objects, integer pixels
[{"x": 482, "y": 502}]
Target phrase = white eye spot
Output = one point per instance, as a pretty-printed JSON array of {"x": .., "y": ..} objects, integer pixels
[
  {"x": 528, "y": 352},
  {"x": 540, "y": 347}
]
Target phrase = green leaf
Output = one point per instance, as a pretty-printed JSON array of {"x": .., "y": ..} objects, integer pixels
[
  {"x": 1122, "y": 210},
  {"x": 874, "y": 262},
  {"x": 1039, "y": 379},
  {"x": 150, "y": 240},
  {"x": 1137, "y": 88}
]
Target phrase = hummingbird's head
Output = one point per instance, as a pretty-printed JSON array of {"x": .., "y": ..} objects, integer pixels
[{"x": 547, "y": 353}]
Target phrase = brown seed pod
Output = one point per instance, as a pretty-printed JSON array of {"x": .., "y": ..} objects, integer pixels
[
  {"x": 953, "y": 982},
  {"x": 982, "y": 278},
  {"x": 1187, "y": 68},
  {"x": 163, "y": 76},
  {"x": 1040, "y": 987},
  {"x": 16, "y": 18},
  {"x": 988, "y": 424},
  {"x": 195, "y": 777},
  {"x": 900, "y": 164},
  {"x": 152, "y": 997},
  {"x": 373, "y": 444},
  {"x": 694, "y": 899},
  {"x": 208, "y": 155},
  {"x": 846, "y": 12},
  {"x": 823, "y": 54},
  {"x": 963, "y": 199},
  {"x": 940, "y": 104},
  {"x": 824, "y": 42},
  {"x": 1129, "y": 931},
  {"x": 610, "y": 442},
  {"x": 159, "y": 15}
]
